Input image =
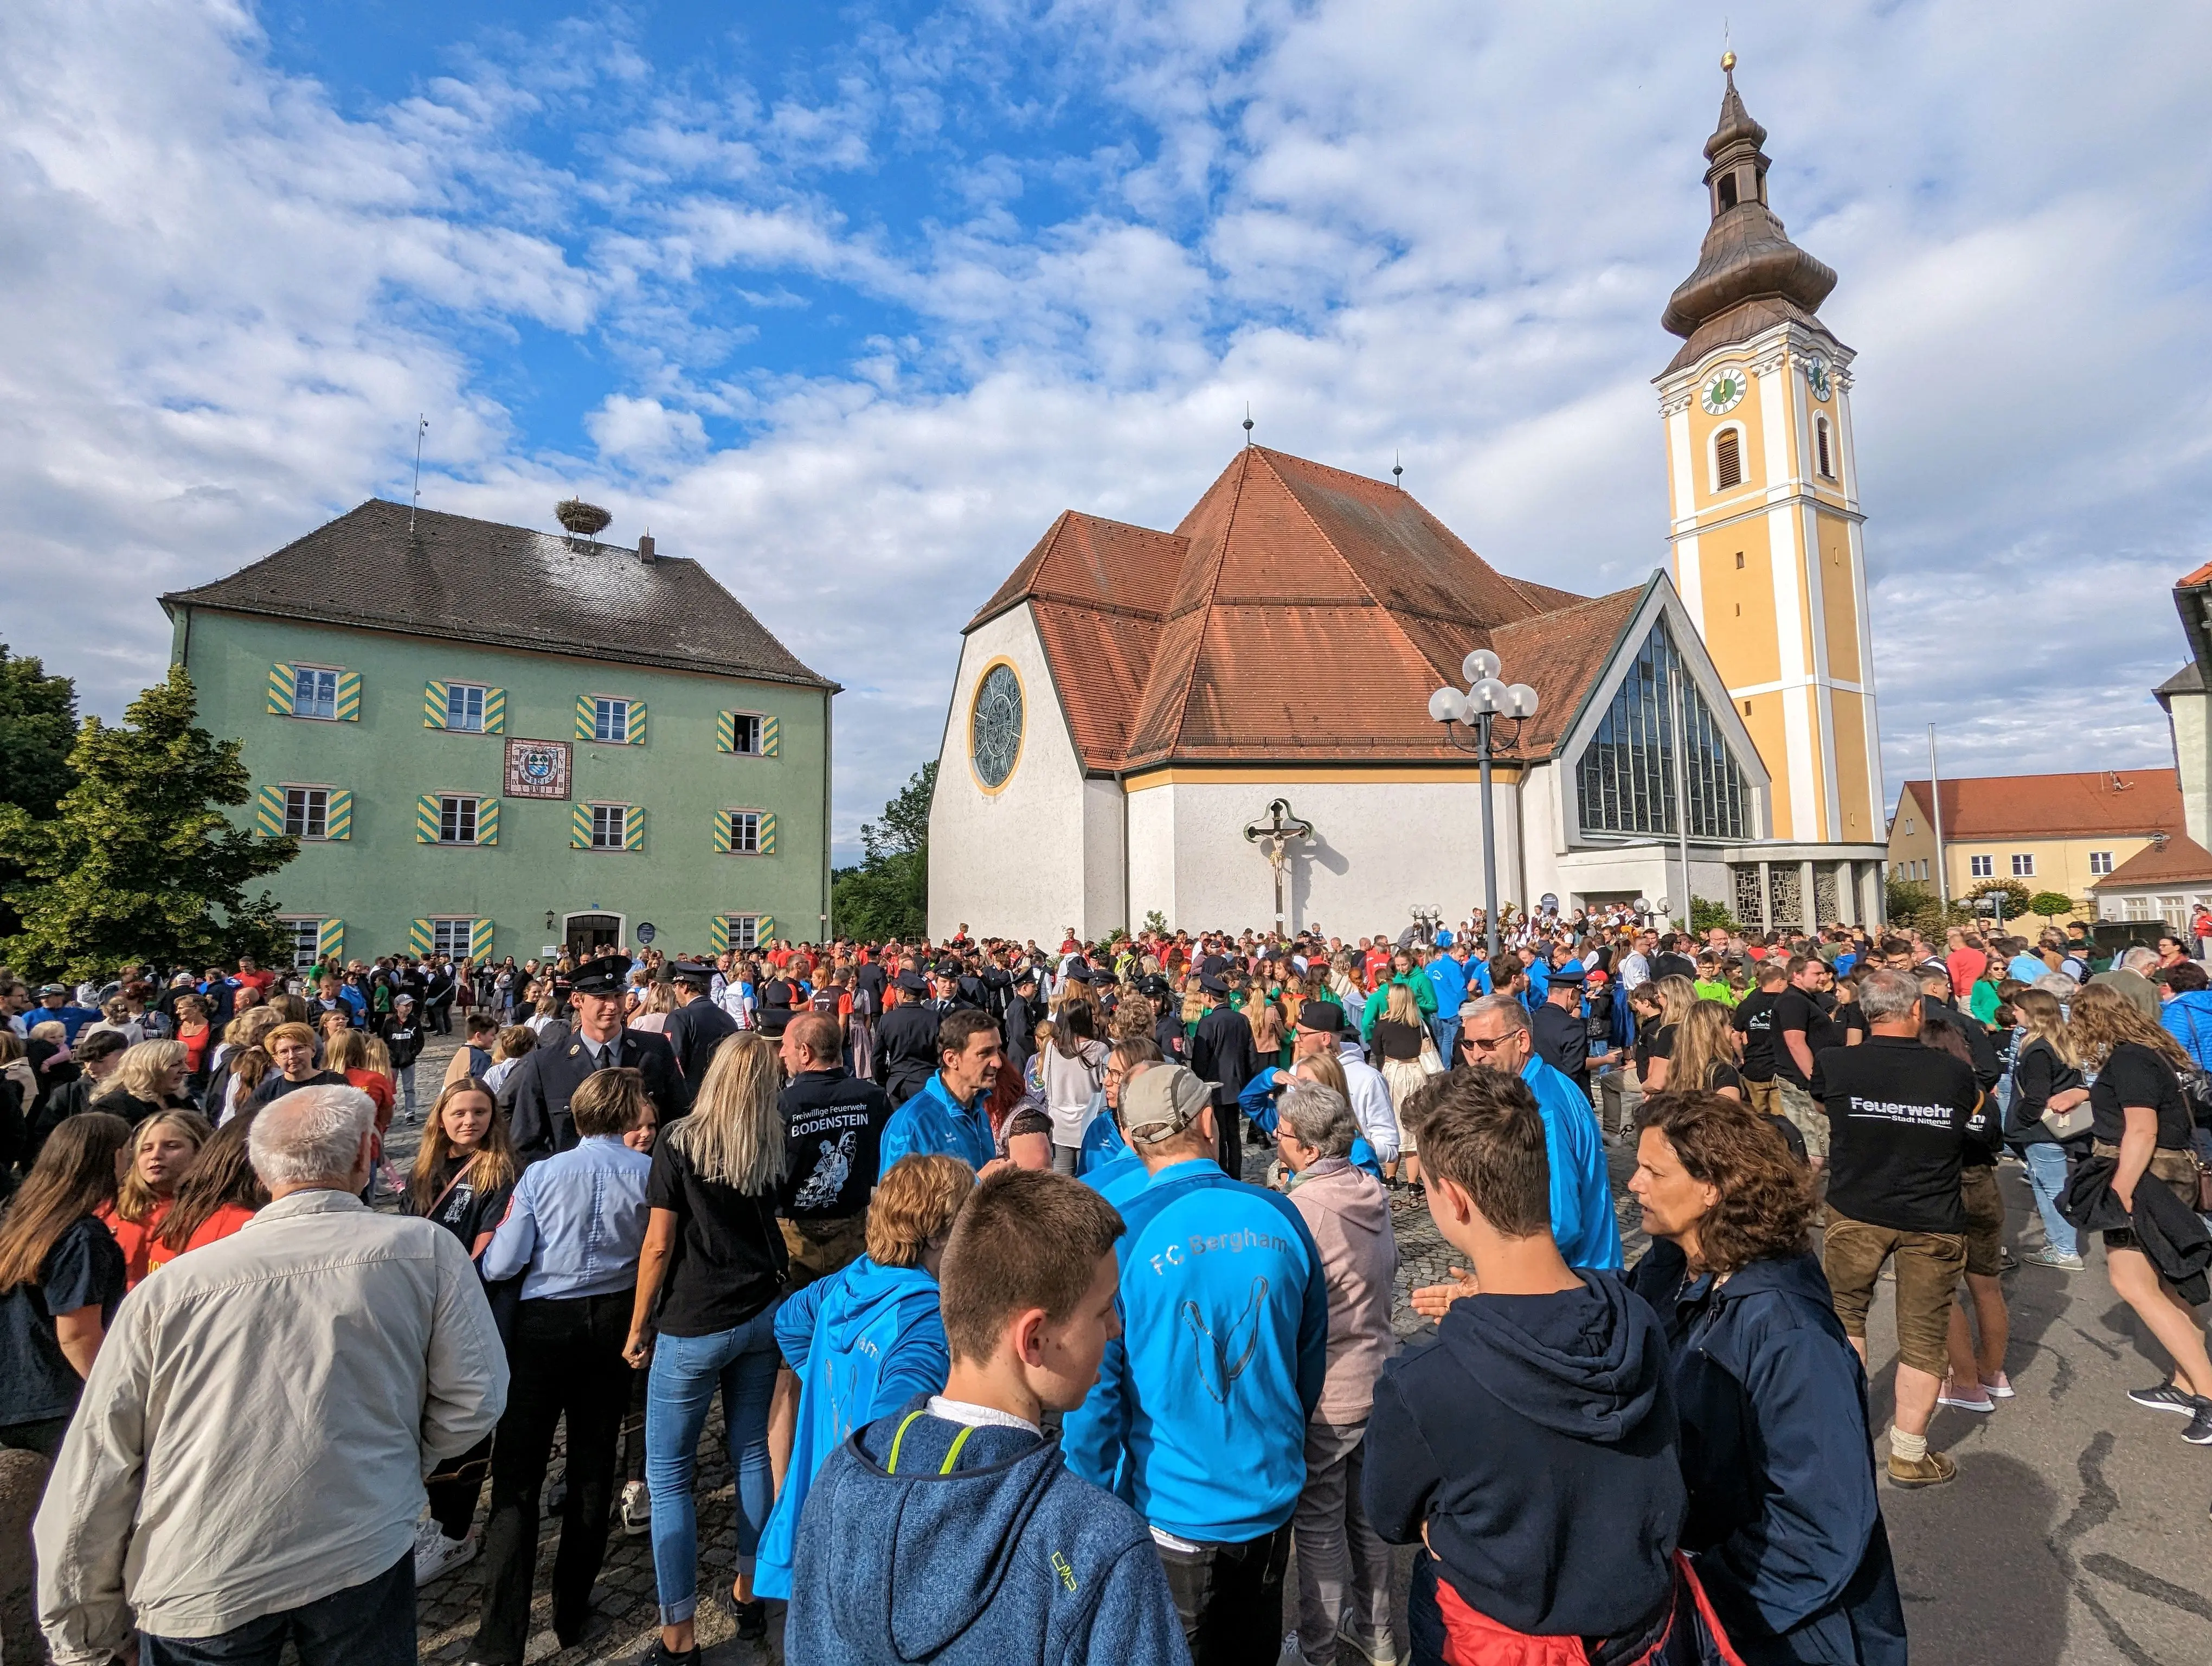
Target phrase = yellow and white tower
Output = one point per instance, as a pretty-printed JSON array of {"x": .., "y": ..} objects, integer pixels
[{"x": 1764, "y": 494}]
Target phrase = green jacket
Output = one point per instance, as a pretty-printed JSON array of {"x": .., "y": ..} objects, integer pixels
[{"x": 1425, "y": 994}]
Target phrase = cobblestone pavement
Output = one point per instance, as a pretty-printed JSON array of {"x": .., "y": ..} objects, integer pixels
[{"x": 625, "y": 1623}]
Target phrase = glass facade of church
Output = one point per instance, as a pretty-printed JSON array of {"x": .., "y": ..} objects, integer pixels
[{"x": 1625, "y": 779}]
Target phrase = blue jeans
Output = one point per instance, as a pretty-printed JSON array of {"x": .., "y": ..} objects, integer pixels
[
  {"x": 1446, "y": 1031},
  {"x": 371, "y": 1624},
  {"x": 686, "y": 1370},
  {"x": 2046, "y": 1178}
]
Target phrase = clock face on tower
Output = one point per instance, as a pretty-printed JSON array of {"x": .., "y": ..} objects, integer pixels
[
  {"x": 1725, "y": 391},
  {"x": 1816, "y": 376},
  {"x": 995, "y": 726}
]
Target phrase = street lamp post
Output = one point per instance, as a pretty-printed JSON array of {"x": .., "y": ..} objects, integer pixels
[{"x": 1486, "y": 700}]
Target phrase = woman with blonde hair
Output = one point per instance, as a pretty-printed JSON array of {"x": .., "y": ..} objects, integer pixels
[
  {"x": 353, "y": 1055},
  {"x": 163, "y": 1149},
  {"x": 867, "y": 1339},
  {"x": 652, "y": 1013},
  {"x": 1398, "y": 1036},
  {"x": 2047, "y": 1086},
  {"x": 1677, "y": 995},
  {"x": 1267, "y": 1022},
  {"x": 1069, "y": 1069},
  {"x": 149, "y": 1080},
  {"x": 714, "y": 1260},
  {"x": 2140, "y": 1122},
  {"x": 1703, "y": 1056}
]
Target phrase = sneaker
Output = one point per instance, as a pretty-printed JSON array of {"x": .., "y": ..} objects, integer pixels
[
  {"x": 1291, "y": 1651},
  {"x": 751, "y": 1617},
  {"x": 1933, "y": 1470},
  {"x": 2165, "y": 1398},
  {"x": 2000, "y": 1389},
  {"x": 1949, "y": 1395},
  {"x": 662, "y": 1654},
  {"x": 2199, "y": 1431},
  {"x": 636, "y": 1510},
  {"x": 2006, "y": 1261},
  {"x": 2047, "y": 1257},
  {"x": 1376, "y": 1648},
  {"x": 436, "y": 1555}
]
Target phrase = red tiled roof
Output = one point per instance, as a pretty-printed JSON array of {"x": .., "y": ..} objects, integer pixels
[
  {"x": 1298, "y": 612},
  {"x": 2177, "y": 860},
  {"x": 2139, "y": 802}
]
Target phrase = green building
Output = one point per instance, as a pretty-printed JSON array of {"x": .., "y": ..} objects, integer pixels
[{"x": 490, "y": 740}]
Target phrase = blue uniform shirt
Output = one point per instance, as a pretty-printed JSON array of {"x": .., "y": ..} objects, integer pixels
[
  {"x": 577, "y": 1223},
  {"x": 933, "y": 1123}
]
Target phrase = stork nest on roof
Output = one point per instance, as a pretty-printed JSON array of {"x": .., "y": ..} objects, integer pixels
[{"x": 585, "y": 519}]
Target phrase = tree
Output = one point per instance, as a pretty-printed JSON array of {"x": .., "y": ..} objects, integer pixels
[
  {"x": 887, "y": 895},
  {"x": 1706, "y": 914},
  {"x": 38, "y": 722},
  {"x": 136, "y": 863},
  {"x": 2050, "y": 904},
  {"x": 2018, "y": 903}
]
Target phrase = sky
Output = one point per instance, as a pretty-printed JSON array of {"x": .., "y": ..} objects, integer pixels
[{"x": 847, "y": 303}]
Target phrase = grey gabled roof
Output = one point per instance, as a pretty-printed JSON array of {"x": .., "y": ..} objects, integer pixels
[{"x": 481, "y": 581}]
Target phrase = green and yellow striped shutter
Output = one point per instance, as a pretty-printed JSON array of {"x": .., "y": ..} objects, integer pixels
[
  {"x": 434, "y": 705},
  {"x": 280, "y": 681},
  {"x": 418, "y": 937},
  {"x": 480, "y": 940},
  {"x": 494, "y": 711},
  {"x": 767, "y": 833},
  {"x": 339, "y": 822},
  {"x": 636, "y": 729},
  {"x": 718, "y": 933},
  {"x": 426, "y": 819},
  {"x": 769, "y": 737},
  {"x": 634, "y": 827},
  {"x": 329, "y": 940},
  {"x": 725, "y": 734},
  {"x": 764, "y": 929},
  {"x": 722, "y": 832},
  {"x": 487, "y": 821},
  {"x": 269, "y": 812},
  {"x": 584, "y": 730},
  {"x": 580, "y": 828},
  {"x": 348, "y": 709}
]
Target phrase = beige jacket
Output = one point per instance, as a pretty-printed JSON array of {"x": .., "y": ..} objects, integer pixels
[
  {"x": 255, "y": 1431},
  {"x": 1348, "y": 1213}
]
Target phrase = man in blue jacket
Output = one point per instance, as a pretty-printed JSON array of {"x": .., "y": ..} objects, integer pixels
[
  {"x": 951, "y": 1531},
  {"x": 1446, "y": 970},
  {"x": 946, "y": 1118},
  {"x": 1201, "y": 1408},
  {"x": 1497, "y": 1036}
]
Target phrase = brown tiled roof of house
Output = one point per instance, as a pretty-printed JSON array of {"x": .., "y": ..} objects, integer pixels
[
  {"x": 2176, "y": 860},
  {"x": 1299, "y": 613},
  {"x": 2068, "y": 806}
]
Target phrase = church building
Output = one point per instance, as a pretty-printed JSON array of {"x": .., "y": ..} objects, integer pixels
[{"x": 1229, "y": 723}]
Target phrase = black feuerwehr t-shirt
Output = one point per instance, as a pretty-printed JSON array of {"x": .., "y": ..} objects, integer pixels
[
  {"x": 2136, "y": 1075},
  {"x": 1753, "y": 1020},
  {"x": 1900, "y": 1116},
  {"x": 1794, "y": 1009}
]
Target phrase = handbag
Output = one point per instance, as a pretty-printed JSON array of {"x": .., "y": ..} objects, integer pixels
[{"x": 2064, "y": 1125}]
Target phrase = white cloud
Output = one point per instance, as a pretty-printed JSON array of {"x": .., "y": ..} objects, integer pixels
[{"x": 1434, "y": 227}]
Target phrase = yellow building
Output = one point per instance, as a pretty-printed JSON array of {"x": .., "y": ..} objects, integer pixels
[
  {"x": 1765, "y": 499},
  {"x": 2062, "y": 833}
]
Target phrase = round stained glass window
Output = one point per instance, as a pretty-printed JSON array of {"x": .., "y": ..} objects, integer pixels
[{"x": 995, "y": 726}]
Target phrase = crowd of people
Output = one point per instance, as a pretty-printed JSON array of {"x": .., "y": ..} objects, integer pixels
[{"x": 1014, "y": 1359}]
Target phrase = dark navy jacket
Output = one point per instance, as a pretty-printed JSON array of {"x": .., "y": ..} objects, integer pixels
[{"x": 1784, "y": 1524}]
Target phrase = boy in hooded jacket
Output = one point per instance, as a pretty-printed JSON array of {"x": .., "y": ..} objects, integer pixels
[
  {"x": 866, "y": 1339},
  {"x": 952, "y": 1531},
  {"x": 1531, "y": 1449}
]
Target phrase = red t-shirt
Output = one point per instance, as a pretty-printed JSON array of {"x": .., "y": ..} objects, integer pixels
[
  {"x": 378, "y": 1087},
  {"x": 195, "y": 1044},
  {"x": 264, "y": 980},
  {"x": 136, "y": 1238},
  {"x": 227, "y": 1220}
]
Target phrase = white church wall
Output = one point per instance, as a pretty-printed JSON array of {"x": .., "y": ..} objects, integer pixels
[
  {"x": 1103, "y": 901},
  {"x": 1011, "y": 863},
  {"x": 1380, "y": 851}
]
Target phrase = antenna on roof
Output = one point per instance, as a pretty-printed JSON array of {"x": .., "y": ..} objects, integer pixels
[
  {"x": 1247, "y": 422},
  {"x": 422, "y": 428},
  {"x": 1397, "y": 471}
]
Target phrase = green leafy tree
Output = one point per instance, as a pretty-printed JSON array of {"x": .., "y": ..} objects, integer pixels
[
  {"x": 2050, "y": 904},
  {"x": 136, "y": 863},
  {"x": 1909, "y": 898},
  {"x": 2018, "y": 903},
  {"x": 887, "y": 895},
  {"x": 38, "y": 725},
  {"x": 1706, "y": 914}
]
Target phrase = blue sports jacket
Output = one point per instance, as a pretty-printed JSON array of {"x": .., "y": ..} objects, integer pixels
[
  {"x": 933, "y": 1123},
  {"x": 1583, "y": 1222}
]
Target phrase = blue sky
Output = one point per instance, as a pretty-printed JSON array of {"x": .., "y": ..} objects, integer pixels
[{"x": 849, "y": 302}]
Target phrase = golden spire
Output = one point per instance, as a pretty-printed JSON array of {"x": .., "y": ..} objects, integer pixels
[{"x": 1727, "y": 61}]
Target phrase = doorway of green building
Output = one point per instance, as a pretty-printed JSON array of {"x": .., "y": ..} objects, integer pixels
[{"x": 588, "y": 934}]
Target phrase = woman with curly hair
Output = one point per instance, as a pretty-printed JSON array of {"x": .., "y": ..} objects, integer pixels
[
  {"x": 1784, "y": 1525},
  {"x": 2139, "y": 1121}
]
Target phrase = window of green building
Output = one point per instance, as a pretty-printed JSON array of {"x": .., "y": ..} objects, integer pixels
[
  {"x": 314, "y": 692},
  {"x": 456, "y": 820},
  {"x": 307, "y": 811},
  {"x": 610, "y": 723},
  {"x": 465, "y": 707}
]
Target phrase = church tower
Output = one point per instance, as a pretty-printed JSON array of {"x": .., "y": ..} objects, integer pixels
[{"x": 1764, "y": 488}]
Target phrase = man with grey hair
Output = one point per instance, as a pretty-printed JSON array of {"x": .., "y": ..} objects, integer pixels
[
  {"x": 246, "y": 1466},
  {"x": 1901, "y": 1117},
  {"x": 1344, "y": 1566},
  {"x": 2131, "y": 976}
]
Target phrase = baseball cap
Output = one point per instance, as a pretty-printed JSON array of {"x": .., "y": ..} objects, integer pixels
[{"x": 1162, "y": 1102}]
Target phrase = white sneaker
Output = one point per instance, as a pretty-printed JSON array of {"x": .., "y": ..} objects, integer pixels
[
  {"x": 1376, "y": 1648},
  {"x": 636, "y": 1510},
  {"x": 436, "y": 1555}
]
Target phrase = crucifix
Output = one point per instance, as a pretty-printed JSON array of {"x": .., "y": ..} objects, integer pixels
[{"x": 1274, "y": 836}]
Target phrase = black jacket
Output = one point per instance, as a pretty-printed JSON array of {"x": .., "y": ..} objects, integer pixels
[
  {"x": 694, "y": 1030},
  {"x": 1221, "y": 1052},
  {"x": 906, "y": 1051},
  {"x": 2168, "y": 1230},
  {"x": 536, "y": 1095},
  {"x": 1977, "y": 1034},
  {"x": 1785, "y": 1520},
  {"x": 403, "y": 1039},
  {"x": 835, "y": 1124}
]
